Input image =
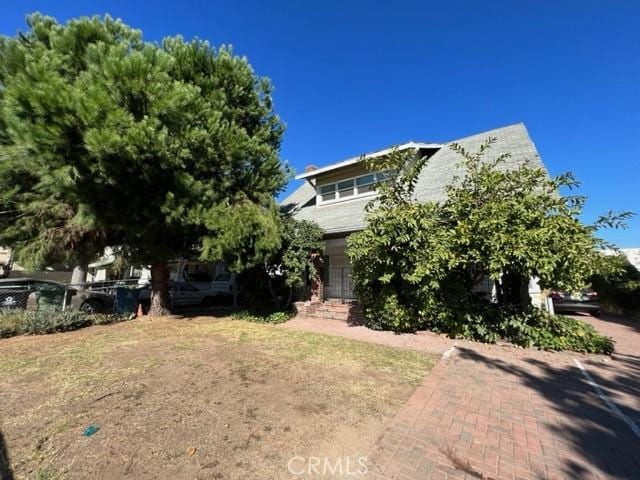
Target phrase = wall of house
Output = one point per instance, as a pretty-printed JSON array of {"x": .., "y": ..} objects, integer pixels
[
  {"x": 58, "y": 273},
  {"x": 336, "y": 284}
]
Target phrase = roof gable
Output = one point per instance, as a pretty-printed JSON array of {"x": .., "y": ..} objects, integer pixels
[
  {"x": 355, "y": 160},
  {"x": 442, "y": 167}
]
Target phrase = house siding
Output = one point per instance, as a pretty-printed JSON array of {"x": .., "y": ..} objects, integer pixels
[
  {"x": 441, "y": 169},
  {"x": 340, "y": 218}
]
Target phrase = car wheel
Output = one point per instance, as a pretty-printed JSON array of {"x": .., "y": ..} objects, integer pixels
[
  {"x": 596, "y": 313},
  {"x": 90, "y": 306}
]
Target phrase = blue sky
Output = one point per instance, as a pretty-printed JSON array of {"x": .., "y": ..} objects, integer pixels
[{"x": 355, "y": 76}]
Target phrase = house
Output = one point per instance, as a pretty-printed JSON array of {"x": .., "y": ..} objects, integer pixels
[
  {"x": 9, "y": 268},
  {"x": 110, "y": 269},
  {"x": 335, "y": 196},
  {"x": 633, "y": 255}
]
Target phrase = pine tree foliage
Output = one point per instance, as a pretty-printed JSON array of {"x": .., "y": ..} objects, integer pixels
[{"x": 164, "y": 150}]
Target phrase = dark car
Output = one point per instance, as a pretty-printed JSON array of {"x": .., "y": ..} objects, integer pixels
[
  {"x": 583, "y": 302},
  {"x": 30, "y": 293}
]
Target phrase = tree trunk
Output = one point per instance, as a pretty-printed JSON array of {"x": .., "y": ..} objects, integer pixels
[
  {"x": 79, "y": 275},
  {"x": 160, "y": 299}
]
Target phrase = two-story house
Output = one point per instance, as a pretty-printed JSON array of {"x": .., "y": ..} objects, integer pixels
[{"x": 334, "y": 196}]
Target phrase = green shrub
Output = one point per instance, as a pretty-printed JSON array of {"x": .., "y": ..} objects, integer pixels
[
  {"x": 415, "y": 264},
  {"x": 486, "y": 322},
  {"x": 108, "y": 318},
  {"x": 38, "y": 322},
  {"x": 553, "y": 332},
  {"x": 263, "y": 317},
  {"x": 618, "y": 286},
  {"x": 10, "y": 323}
]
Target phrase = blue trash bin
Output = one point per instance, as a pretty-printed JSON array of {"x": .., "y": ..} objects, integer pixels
[{"x": 126, "y": 300}]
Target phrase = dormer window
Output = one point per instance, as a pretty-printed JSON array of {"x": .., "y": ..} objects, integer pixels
[
  {"x": 328, "y": 192},
  {"x": 345, "y": 189},
  {"x": 352, "y": 187},
  {"x": 366, "y": 184}
]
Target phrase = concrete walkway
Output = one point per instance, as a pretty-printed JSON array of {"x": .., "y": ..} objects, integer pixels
[{"x": 499, "y": 412}]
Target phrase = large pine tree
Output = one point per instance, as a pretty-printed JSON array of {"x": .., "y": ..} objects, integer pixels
[{"x": 160, "y": 150}]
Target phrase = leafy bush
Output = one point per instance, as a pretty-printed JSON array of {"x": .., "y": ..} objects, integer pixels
[
  {"x": 553, "y": 332},
  {"x": 273, "y": 284},
  {"x": 37, "y": 322},
  {"x": 618, "y": 286},
  {"x": 415, "y": 265},
  {"x": 487, "y": 322},
  {"x": 264, "y": 317}
]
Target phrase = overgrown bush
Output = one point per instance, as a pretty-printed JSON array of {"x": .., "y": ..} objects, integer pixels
[
  {"x": 618, "y": 285},
  {"x": 272, "y": 285},
  {"x": 38, "y": 322},
  {"x": 553, "y": 332},
  {"x": 416, "y": 264},
  {"x": 263, "y": 317},
  {"x": 487, "y": 322}
]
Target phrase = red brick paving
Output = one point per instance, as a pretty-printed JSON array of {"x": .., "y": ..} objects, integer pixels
[{"x": 493, "y": 412}]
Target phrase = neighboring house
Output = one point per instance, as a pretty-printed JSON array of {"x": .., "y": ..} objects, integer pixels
[
  {"x": 6, "y": 262},
  {"x": 8, "y": 268},
  {"x": 633, "y": 255},
  {"x": 109, "y": 269},
  {"x": 335, "y": 197}
]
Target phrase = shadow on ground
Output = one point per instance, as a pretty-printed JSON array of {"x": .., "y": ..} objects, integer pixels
[
  {"x": 5, "y": 467},
  {"x": 217, "y": 311},
  {"x": 627, "y": 322},
  {"x": 586, "y": 425}
]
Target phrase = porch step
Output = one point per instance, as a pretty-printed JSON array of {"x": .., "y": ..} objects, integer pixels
[{"x": 345, "y": 312}]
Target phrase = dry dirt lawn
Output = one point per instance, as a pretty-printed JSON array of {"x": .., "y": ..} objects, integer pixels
[{"x": 194, "y": 398}]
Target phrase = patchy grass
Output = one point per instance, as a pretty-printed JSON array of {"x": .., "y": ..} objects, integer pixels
[
  {"x": 325, "y": 350},
  {"x": 246, "y": 396}
]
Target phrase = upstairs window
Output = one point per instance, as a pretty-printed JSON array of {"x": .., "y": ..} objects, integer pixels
[
  {"x": 345, "y": 189},
  {"x": 328, "y": 192},
  {"x": 352, "y": 187},
  {"x": 366, "y": 184}
]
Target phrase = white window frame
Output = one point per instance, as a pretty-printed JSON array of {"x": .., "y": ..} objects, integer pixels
[{"x": 355, "y": 189}]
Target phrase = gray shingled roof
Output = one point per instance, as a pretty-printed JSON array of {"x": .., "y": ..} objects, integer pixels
[{"x": 349, "y": 216}]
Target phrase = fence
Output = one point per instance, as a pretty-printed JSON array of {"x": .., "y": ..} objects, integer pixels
[
  {"x": 104, "y": 296},
  {"x": 17, "y": 297},
  {"x": 109, "y": 286}
]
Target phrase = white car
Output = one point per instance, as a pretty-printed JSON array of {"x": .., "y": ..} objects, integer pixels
[
  {"x": 223, "y": 284},
  {"x": 183, "y": 294}
]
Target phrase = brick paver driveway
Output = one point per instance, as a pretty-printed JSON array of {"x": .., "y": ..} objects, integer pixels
[{"x": 493, "y": 412}]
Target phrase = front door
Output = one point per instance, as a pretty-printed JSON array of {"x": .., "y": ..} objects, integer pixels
[{"x": 339, "y": 285}]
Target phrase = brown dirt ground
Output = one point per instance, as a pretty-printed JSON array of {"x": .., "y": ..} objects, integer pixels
[{"x": 246, "y": 397}]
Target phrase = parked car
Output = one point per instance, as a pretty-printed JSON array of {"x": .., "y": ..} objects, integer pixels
[
  {"x": 110, "y": 286},
  {"x": 223, "y": 284},
  {"x": 583, "y": 302},
  {"x": 182, "y": 294},
  {"x": 25, "y": 292}
]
